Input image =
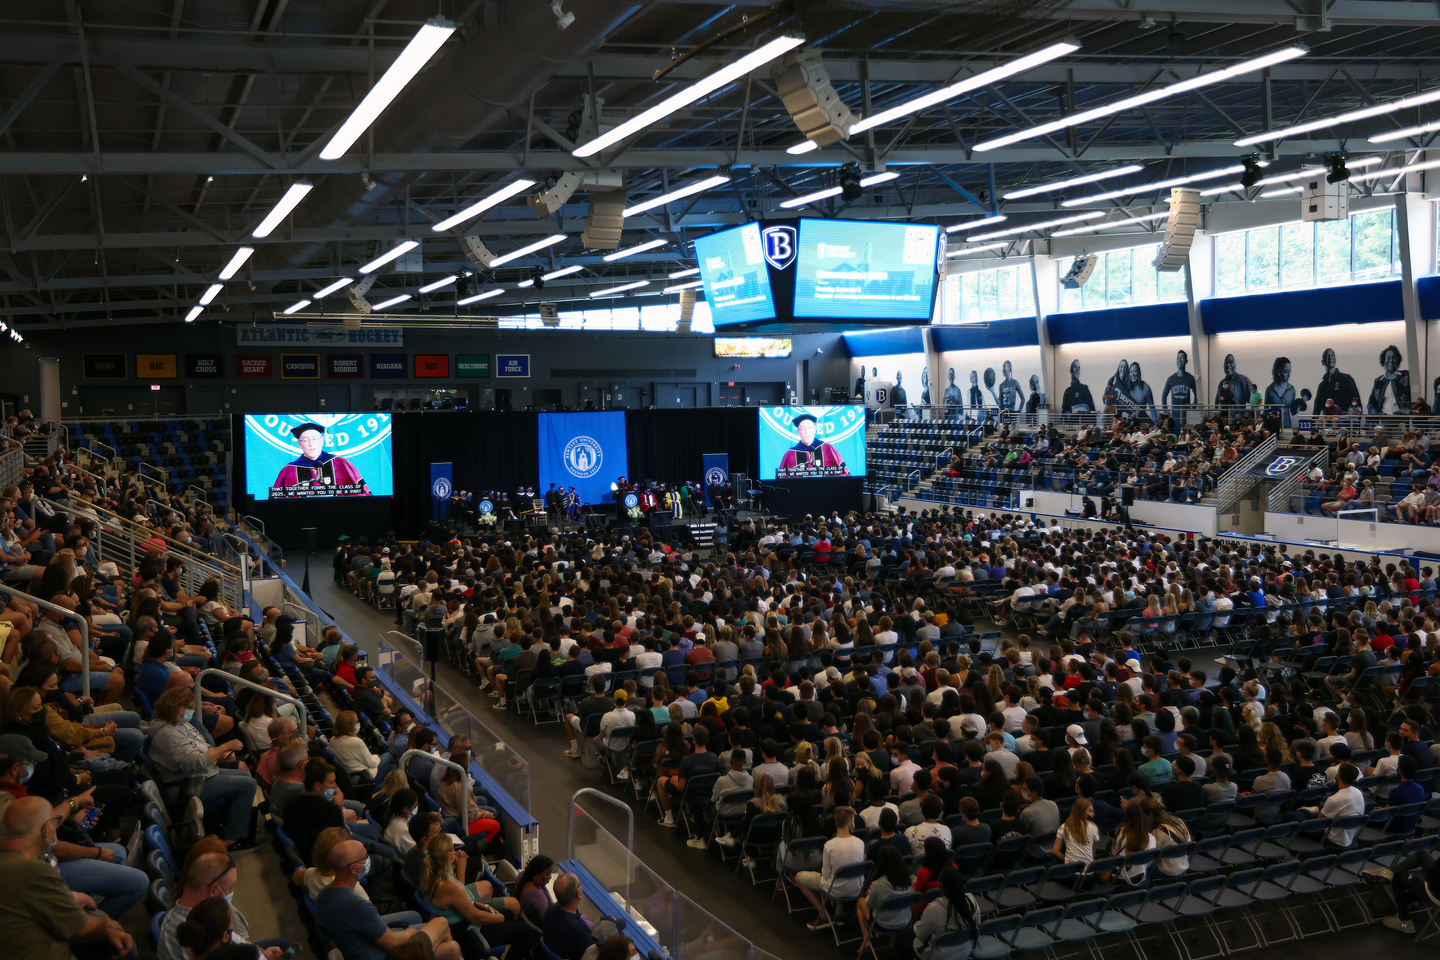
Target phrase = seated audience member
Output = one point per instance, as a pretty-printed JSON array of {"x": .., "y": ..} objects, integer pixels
[
  {"x": 532, "y": 888},
  {"x": 563, "y": 928},
  {"x": 841, "y": 850},
  {"x": 179, "y": 750},
  {"x": 357, "y": 928},
  {"x": 211, "y": 876}
]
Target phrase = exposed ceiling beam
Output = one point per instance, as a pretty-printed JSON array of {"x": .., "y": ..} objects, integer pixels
[{"x": 276, "y": 56}]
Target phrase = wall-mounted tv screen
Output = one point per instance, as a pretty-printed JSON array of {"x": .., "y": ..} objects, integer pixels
[
  {"x": 763, "y": 347},
  {"x": 737, "y": 283},
  {"x": 301, "y": 456},
  {"x": 803, "y": 442},
  {"x": 865, "y": 270}
]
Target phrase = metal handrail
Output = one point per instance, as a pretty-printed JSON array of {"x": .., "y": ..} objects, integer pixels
[
  {"x": 69, "y": 614},
  {"x": 142, "y": 466},
  {"x": 465, "y": 798},
  {"x": 233, "y": 680},
  {"x": 629, "y": 820},
  {"x": 1279, "y": 499},
  {"x": 91, "y": 443},
  {"x": 1237, "y": 479}
]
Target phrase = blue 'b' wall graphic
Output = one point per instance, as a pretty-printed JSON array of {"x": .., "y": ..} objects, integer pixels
[{"x": 583, "y": 450}]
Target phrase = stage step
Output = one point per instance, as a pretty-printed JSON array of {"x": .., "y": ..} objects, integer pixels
[{"x": 704, "y": 534}]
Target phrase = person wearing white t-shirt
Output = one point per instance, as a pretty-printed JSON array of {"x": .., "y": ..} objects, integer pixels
[{"x": 931, "y": 808}]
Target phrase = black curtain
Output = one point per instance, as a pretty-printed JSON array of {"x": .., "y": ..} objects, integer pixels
[
  {"x": 489, "y": 451},
  {"x": 668, "y": 445}
]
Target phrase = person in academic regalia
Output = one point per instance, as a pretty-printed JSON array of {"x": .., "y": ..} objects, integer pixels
[
  {"x": 572, "y": 505},
  {"x": 809, "y": 449},
  {"x": 316, "y": 468}
]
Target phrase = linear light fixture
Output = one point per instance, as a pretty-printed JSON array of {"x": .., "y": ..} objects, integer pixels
[
  {"x": 684, "y": 273},
  {"x": 562, "y": 272},
  {"x": 194, "y": 312},
  {"x": 1396, "y": 171},
  {"x": 445, "y": 282},
  {"x": 961, "y": 251},
  {"x": 1124, "y": 171},
  {"x": 638, "y": 248},
  {"x": 621, "y": 289},
  {"x": 288, "y": 201},
  {"x": 387, "y": 304},
  {"x": 689, "y": 190},
  {"x": 523, "y": 284},
  {"x": 479, "y": 296},
  {"x": 549, "y": 241},
  {"x": 211, "y": 293},
  {"x": 480, "y": 206},
  {"x": 1280, "y": 133},
  {"x": 804, "y": 146},
  {"x": 1287, "y": 177},
  {"x": 1404, "y": 132},
  {"x": 875, "y": 178},
  {"x": 1041, "y": 225},
  {"x": 701, "y": 88},
  {"x": 1280, "y": 192},
  {"x": 296, "y": 307},
  {"x": 416, "y": 54},
  {"x": 676, "y": 288},
  {"x": 1112, "y": 224},
  {"x": 236, "y": 262},
  {"x": 1155, "y": 187},
  {"x": 338, "y": 284},
  {"x": 389, "y": 255},
  {"x": 980, "y": 80},
  {"x": 956, "y": 227},
  {"x": 1149, "y": 96},
  {"x": 811, "y": 197}
]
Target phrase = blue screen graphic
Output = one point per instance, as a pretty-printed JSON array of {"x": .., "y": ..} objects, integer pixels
[
  {"x": 737, "y": 285},
  {"x": 583, "y": 450},
  {"x": 349, "y": 458},
  {"x": 860, "y": 270},
  {"x": 827, "y": 442}
]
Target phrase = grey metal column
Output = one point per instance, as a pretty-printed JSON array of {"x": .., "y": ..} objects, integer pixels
[{"x": 1415, "y": 223}]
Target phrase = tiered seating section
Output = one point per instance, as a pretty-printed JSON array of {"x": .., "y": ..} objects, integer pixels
[
  {"x": 187, "y": 451},
  {"x": 900, "y": 449}
]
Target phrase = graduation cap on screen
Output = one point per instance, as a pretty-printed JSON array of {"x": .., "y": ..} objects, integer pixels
[
  {"x": 804, "y": 416},
  {"x": 296, "y": 431}
]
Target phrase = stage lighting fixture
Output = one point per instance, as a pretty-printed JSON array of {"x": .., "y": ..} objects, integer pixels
[
  {"x": 850, "y": 189},
  {"x": 1339, "y": 173},
  {"x": 1252, "y": 171},
  {"x": 538, "y": 275}
]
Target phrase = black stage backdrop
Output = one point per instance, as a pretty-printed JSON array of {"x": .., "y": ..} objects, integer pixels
[
  {"x": 490, "y": 451},
  {"x": 667, "y": 445}
]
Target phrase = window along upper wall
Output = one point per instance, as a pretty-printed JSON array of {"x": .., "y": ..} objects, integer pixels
[
  {"x": 1123, "y": 278},
  {"x": 1364, "y": 246},
  {"x": 985, "y": 295}
]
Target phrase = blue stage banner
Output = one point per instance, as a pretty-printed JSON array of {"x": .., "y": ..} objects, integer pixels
[
  {"x": 442, "y": 484},
  {"x": 716, "y": 469},
  {"x": 583, "y": 450}
]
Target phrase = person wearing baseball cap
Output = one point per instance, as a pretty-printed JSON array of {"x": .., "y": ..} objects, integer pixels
[{"x": 18, "y": 758}]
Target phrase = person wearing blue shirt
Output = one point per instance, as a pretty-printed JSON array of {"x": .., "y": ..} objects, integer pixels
[
  {"x": 152, "y": 675},
  {"x": 354, "y": 925},
  {"x": 563, "y": 929},
  {"x": 1406, "y": 791}
]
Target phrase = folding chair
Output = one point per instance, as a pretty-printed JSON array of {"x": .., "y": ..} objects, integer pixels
[
  {"x": 1015, "y": 893},
  {"x": 1037, "y": 929},
  {"x": 1059, "y": 882},
  {"x": 1079, "y": 922},
  {"x": 1234, "y": 901},
  {"x": 1199, "y": 901},
  {"x": 802, "y": 853},
  {"x": 762, "y": 839},
  {"x": 995, "y": 936},
  {"x": 904, "y": 901},
  {"x": 850, "y": 873}
]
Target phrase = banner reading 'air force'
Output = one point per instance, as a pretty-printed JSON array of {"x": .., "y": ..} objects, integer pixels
[
  {"x": 583, "y": 450},
  {"x": 798, "y": 442}
]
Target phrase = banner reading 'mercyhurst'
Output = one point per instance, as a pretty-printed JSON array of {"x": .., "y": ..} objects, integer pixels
[{"x": 297, "y": 334}]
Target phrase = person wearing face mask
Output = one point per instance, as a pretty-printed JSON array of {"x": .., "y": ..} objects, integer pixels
[
  {"x": 41, "y": 917},
  {"x": 320, "y": 805},
  {"x": 211, "y": 876},
  {"x": 316, "y": 879},
  {"x": 357, "y": 928},
  {"x": 178, "y": 750}
]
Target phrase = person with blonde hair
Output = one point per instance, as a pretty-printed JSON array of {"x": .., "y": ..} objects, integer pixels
[
  {"x": 317, "y": 878},
  {"x": 496, "y": 919},
  {"x": 1075, "y": 840},
  {"x": 1168, "y": 831},
  {"x": 352, "y": 753}
]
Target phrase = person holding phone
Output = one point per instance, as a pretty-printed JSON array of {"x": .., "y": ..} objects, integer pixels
[{"x": 179, "y": 750}]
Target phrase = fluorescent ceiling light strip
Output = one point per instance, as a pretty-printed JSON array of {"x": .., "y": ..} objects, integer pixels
[
  {"x": 1396, "y": 171},
  {"x": 1149, "y": 96},
  {"x": 386, "y": 304},
  {"x": 622, "y": 288},
  {"x": 811, "y": 198},
  {"x": 389, "y": 255},
  {"x": 631, "y": 251},
  {"x": 416, "y": 54},
  {"x": 980, "y": 80},
  {"x": 1281, "y": 133},
  {"x": 804, "y": 146},
  {"x": 684, "y": 286},
  {"x": 700, "y": 186},
  {"x": 875, "y": 178},
  {"x": 1280, "y": 192},
  {"x": 296, "y": 307},
  {"x": 1112, "y": 224},
  {"x": 429, "y": 287},
  {"x": 194, "y": 312},
  {"x": 684, "y": 273},
  {"x": 955, "y": 227},
  {"x": 1406, "y": 132},
  {"x": 480, "y": 296},
  {"x": 236, "y": 262},
  {"x": 562, "y": 272},
  {"x": 287, "y": 202},
  {"x": 696, "y": 91},
  {"x": 1074, "y": 181},
  {"x": 961, "y": 251},
  {"x": 1156, "y": 186},
  {"x": 326, "y": 291},
  {"x": 211, "y": 294},
  {"x": 526, "y": 251},
  {"x": 1041, "y": 225},
  {"x": 525, "y": 283},
  {"x": 480, "y": 206}
]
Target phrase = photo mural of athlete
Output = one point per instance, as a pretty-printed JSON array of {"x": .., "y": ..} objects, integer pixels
[
  {"x": 315, "y": 468},
  {"x": 1335, "y": 385},
  {"x": 977, "y": 399},
  {"x": 1180, "y": 389},
  {"x": 897, "y": 393},
  {"x": 1116, "y": 386},
  {"x": 1076, "y": 398},
  {"x": 1008, "y": 399},
  {"x": 1392, "y": 381},
  {"x": 1037, "y": 399},
  {"x": 1234, "y": 388},
  {"x": 953, "y": 397},
  {"x": 925, "y": 386},
  {"x": 1282, "y": 392},
  {"x": 1141, "y": 398},
  {"x": 799, "y": 459}
]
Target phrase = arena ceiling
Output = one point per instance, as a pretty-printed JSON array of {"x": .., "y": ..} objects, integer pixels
[{"x": 144, "y": 140}]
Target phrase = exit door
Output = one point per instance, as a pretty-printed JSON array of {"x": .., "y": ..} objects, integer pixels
[
  {"x": 670, "y": 396},
  {"x": 165, "y": 402},
  {"x": 503, "y": 400}
]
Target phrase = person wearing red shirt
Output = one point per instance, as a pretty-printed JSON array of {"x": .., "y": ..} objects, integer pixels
[{"x": 345, "y": 666}]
